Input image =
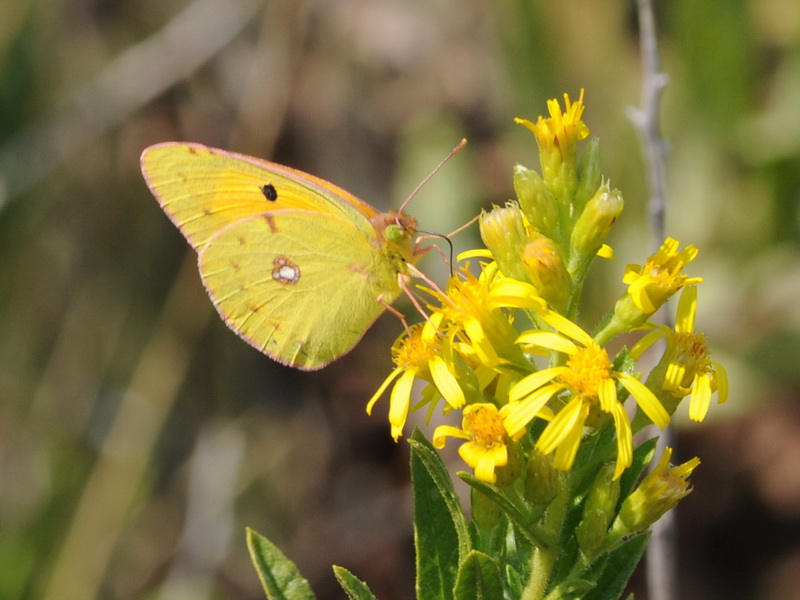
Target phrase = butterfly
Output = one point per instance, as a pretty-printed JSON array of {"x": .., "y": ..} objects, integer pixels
[{"x": 295, "y": 265}]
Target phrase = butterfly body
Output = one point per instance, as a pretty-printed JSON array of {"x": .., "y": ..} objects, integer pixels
[{"x": 297, "y": 266}]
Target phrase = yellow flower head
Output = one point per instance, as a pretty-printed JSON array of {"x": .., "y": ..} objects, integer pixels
[
  {"x": 689, "y": 370},
  {"x": 653, "y": 283},
  {"x": 587, "y": 383},
  {"x": 562, "y": 129},
  {"x": 469, "y": 307},
  {"x": 418, "y": 355},
  {"x": 558, "y": 136},
  {"x": 487, "y": 445}
]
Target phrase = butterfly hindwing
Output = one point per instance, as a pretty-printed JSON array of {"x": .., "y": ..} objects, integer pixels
[{"x": 301, "y": 288}]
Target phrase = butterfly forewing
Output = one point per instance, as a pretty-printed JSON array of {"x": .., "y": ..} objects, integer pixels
[{"x": 204, "y": 190}]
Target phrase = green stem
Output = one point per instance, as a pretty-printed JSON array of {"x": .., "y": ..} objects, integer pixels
[{"x": 544, "y": 558}]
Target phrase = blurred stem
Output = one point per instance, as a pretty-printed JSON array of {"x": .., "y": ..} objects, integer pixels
[
  {"x": 118, "y": 475},
  {"x": 662, "y": 581}
]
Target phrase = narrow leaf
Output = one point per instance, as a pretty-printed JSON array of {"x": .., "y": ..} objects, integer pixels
[
  {"x": 479, "y": 578},
  {"x": 618, "y": 569},
  {"x": 279, "y": 576},
  {"x": 355, "y": 588},
  {"x": 441, "y": 534}
]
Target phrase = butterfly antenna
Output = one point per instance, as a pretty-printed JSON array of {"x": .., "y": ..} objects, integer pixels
[
  {"x": 463, "y": 227},
  {"x": 450, "y": 155}
]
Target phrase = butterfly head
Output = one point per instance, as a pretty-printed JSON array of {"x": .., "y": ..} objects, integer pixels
[{"x": 397, "y": 230}]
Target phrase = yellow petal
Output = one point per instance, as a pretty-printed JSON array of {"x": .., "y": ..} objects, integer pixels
[
  {"x": 722, "y": 382},
  {"x": 476, "y": 253},
  {"x": 442, "y": 432},
  {"x": 515, "y": 294},
  {"x": 527, "y": 385},
  {"x": 673, "y": 378},
  {"x": 647, "y": 340},
  {"x": 687, "y": 309},
  {"x": 701, "y": 397},
  {"x": 518, "y": 414},
  {"x": 471, "y": 453},
  {"x": 484, "y": 469},
  {"x": 607, "y": 393},
  {"x": 446, "y": 382},
  {"x": 386, "y": 382},
  {"x": 567, "y": 327},
  {"x": 399, "y": 403},
  {"x": 624, "y": 440},
  {"x": 561, "y": 426},
  {"x": 549, "y": 340},
  {"x": 606, "y": 251},
  {"x": 638, "y": 291},
  {"x": 568, "y": 449},
  {"x": 480, "y": 342},
  {"x": 646, "y": 400}
]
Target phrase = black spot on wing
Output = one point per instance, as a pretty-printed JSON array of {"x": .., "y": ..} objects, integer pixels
[{"x": 269, "y": 191}]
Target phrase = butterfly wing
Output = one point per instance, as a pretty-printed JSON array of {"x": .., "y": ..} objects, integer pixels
[
  {"x": 301, "y": 288},
  {"x": 203, "y": 190}
]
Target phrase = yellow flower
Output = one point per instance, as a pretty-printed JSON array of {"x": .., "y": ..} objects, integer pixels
[
  {"x": 590, "y": 381},
  {"x": 689, "y": 370},
  {"x": 471, "y": 306},
  {"x": 419, "y": 354},
  {"x": 487, "y": 445},
  {"x": 660, "y": 277},
  {"x": 562, "y": 130},
  {"x": 649, "y": 287},
  {"x": 658, "y": 492},
  {"x": 558, "y": 136}
]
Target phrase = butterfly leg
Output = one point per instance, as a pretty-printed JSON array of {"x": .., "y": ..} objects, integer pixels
[{"x": 388, "y": 306}]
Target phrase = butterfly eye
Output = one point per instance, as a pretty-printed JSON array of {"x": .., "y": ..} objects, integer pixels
[{"x": 395, "y": 233}]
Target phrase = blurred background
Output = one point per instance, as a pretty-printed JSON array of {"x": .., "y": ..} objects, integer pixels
[{"x": 139, "y": 436}]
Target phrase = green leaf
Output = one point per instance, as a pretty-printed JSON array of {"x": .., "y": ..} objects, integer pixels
[
  {"x": 478, "y": 578},
  {"x": 536, "y": 534},
  {"x": 617, "y": 569},
  {"x": 279, "y": 576},
  {"x": 355, "y": 588},
  {"x": 441, "y": 534}
]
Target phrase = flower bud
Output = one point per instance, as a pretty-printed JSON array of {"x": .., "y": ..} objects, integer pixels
[
  {"x": 598, "y": 511},
  {"x": 542, "y": 481},
  {"x": 546, "y": 270},
  {"x": 592, "y": 532},
  {"x": 485, "y": 511},
  {"x": 658, "y": 492},
  {"x": 595, "y": 222},
  {"x": 503, "y": 232},
  {"x": 536, "y": 200},
  {"x": 604, "y": 493}
]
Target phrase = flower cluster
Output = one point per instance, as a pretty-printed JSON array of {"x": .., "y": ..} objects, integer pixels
[{"x": 503, "y": 346}]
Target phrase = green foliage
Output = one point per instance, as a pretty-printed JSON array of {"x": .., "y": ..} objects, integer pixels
[
  {"x": 279, "y": 575},
  {"x": 530, "y": 553},
  {"x": 355, "y": 588}
]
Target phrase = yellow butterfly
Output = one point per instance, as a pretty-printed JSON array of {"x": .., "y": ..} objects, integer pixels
[{"x": 297, "y": 266}]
